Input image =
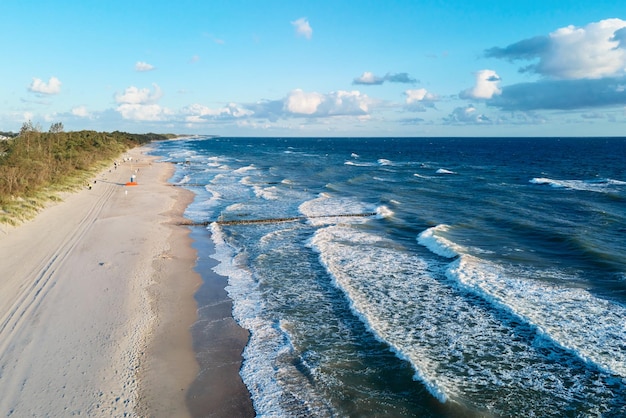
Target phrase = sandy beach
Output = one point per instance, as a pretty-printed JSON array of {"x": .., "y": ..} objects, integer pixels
[{"x": 96, "y": 301}]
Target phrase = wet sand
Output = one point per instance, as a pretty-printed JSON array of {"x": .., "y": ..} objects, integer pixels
[{"x": 218, "y": 390}]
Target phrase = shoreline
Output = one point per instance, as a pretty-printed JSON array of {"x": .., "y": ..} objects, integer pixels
[
  {"x": 168, "y": 347},
  {"x": 218, "y": 390}
]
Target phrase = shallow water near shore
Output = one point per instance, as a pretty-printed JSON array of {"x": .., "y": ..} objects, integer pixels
[
  {"x": 218, "y": 342},
  {"x": 430, "y": 277}
]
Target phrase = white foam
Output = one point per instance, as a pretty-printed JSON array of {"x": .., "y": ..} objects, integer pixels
[
  {"x": 616, "y": 182},
  {"x": 200, "y": 209},
  {"x": 421, "y": 176},
  {"x": 337, "y": 259},
  {"x": 433, "y": 239},
  {"x": 383, "y": 161},
  {"x": 460, "y": 349},
  {"x": 444, "y": 171},
  {"x": 244, "y": 169},
  {"x": 267, "y": 193},
  {"x": 320, "y": 210},
  {"x": 184, "y": 180},
  {"x": 182, "y": 154},
  {"x": 265, "y": 343},
  {"x": 383, "y": 212},
  {"x": 592, "y": 328},
  {"x": 355, "y": 164},
  {"x": 597, "y": 185}
]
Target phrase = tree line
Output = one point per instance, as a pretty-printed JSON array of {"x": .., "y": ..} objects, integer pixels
[{"x": 34, "y": 161}]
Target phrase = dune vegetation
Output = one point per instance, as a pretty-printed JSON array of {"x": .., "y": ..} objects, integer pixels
[{"x": 35, "y": 166}]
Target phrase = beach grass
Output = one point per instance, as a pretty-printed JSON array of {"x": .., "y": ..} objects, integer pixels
[{"x": 36, "y": 168}]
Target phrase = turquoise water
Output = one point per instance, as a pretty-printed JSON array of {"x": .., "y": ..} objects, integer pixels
[{"x": 420, "y": 277}]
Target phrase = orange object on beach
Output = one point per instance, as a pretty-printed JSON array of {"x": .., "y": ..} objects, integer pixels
[{"x": 132, "y": 183}]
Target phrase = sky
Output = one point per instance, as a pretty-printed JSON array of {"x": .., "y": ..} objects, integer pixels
[{"x": 423, "y": 68}]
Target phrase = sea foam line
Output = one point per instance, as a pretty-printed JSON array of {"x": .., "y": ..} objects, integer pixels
[
  {"x": 593, "y": 329},
  {"x": 265, "y": 343},
  {"x": 599, "y": 186},
  {"x": 460, "y": 350}
]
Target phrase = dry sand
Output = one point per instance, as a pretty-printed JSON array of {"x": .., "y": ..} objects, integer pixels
[{"x": 96, "y": 301}]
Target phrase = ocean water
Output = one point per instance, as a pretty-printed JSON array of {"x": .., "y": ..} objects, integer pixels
[{"x": 431, "y": 277}]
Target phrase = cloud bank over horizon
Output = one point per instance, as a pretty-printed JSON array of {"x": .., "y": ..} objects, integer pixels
[
  {"x": 580, "y": 68},
  {"x": 274, "y": 75}
]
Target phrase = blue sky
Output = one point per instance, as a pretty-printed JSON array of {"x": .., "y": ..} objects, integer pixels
[{"x": 316, "y": 68}]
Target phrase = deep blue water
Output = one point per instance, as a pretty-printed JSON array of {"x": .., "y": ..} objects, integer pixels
[{"x": 473, "y": 277}]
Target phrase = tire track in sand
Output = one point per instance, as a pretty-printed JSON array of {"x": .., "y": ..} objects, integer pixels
[{"x": 42, "y": 277}]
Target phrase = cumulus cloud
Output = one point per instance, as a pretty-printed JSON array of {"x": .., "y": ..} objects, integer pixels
[
  {"x": 486, "y": 86},
  {"x": 143, "y": 66},
  {"x": 303, "y": 103},
  {"x": 300, "y": 103},
  {"x": 53, "y": 86},
  {"x": 143, "y": 112},
  {"x": 303, "y": 28},
  {"x": 581, "y": 68},
  {"x": 197, "y": 113},
  {"x": 369, "y": 78},
  {"x": 466, "y": 115},
  {"x": 140, "y": 104},
  {"x": 81, "y": 112},
  {"x": 594, "y": 51},
  {"x": 418, "y": 95},
  {"x": 134, "y": 95},
  {"x": 418, "y": 100}
]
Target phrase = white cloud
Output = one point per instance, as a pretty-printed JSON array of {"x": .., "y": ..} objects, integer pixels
[
  {"x": 143, "y": 112},
  {"x": 589, "y": 52},
  {"x": 336, "y": 103},
  {"x": 347, "y": 103},
  {"x": 418, "y": 95},
  {"x": 134, "y": 95},
  {"x": 486, "y": 86},
  {"x": 303, "y": 28},
  {"x": 53, "y": 86},
  {"x": 369, "y": 78},
  {"x": 466, "y": 115},
  {"x": 197, "y": 113},
  {"x": 80, "y": 111},
  {"x": 140, "y": 104},
  {"x": 303, "y": 103},
  {"x": 594, "y": 51},
  {"x": 143, "y": 66}
]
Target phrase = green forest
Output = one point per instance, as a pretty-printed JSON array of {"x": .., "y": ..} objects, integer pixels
[{"x": 35, "y": 166}]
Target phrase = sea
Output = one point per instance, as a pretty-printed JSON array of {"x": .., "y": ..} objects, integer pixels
[{"x": 419, "y": 277}]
